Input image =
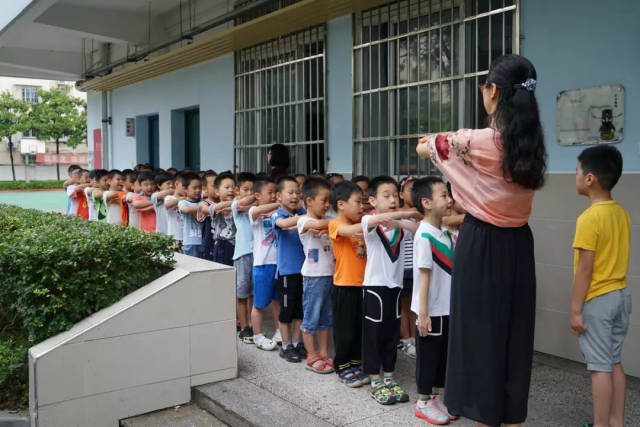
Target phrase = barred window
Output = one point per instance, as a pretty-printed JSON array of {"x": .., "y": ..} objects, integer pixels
[
  {"x": 29, "y": 94},
  {"x": 280, "y": 89},
  {"x": 417, "y": 66}
]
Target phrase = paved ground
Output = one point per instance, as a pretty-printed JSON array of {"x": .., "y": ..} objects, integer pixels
[
  {"x": 271, "y": 391},
  {"x": 43, "y": 200}
]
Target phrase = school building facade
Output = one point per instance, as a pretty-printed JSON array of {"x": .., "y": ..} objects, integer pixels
[{"x": 348, "y": 85}]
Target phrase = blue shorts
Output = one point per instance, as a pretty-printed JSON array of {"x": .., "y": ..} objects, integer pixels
[
  {"x": 264, "y": 285},
  {"x": 316, "y": 303}
]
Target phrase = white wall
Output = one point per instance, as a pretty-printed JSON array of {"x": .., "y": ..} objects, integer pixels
[
  {"x": 94, "y": 120},
  {"x": 209, "y": 86}
]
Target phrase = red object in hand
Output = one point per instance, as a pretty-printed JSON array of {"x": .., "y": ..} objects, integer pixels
[{"x": 442, "y": 146}]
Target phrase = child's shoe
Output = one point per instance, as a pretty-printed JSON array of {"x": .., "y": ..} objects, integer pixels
[
  {"x": 363, "y": 378},
  {"x": 431, "y": 413},
  {"x": 410, "y": 350},
  {"x": 246, "y": 335},
  {"x": 318, "y": 365},
  {"x": 302, "y": 352},
  {"x": 277, "y": 338},
  {"x": 264, "y": 343},
  {"x": 397, "y": 392},
  {"x": 350, "y": 378},
  {"x": 290, "y": 354},
  {"x": 382, "y": 394},
  {"x": 443, "y": 408}
]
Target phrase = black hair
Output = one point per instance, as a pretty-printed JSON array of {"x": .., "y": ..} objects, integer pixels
[
  {"x": 173, "y": 171},
  {"x": 517, "y": 118},
  {"x": 282, "y": 180},
  {"x": 99, "y": 173},
  {"x": 145, "y": 176},
  {"x": 114, "y": 172},
  {"x": 360, "y": 178},
  {"x": 187, "y": 177},
  {"x": 279, "y": 155},
  {"x": 449, "y": 190},
  {"x": 378, "y": 181},
  {"x": 131, "y": 175},
  {"x": 245, "y": 177},
  {"x": 126, "y": 172},
  {"x": 261, "y": 182},
  {"x": 342, "y": 192},
  {"x": 201, "y": 174},
  {"x": 222, "y": 177},
  {"x": 92, "y": 174},
  {"x": 605, "y": 162},
  {"x": 423, "y": 188},
  {"x": 72, "y": 167},
  {"x": 85, "y": 171},
  {"x": 161, "y": 178},
  {"x": 311, "y": 186}
]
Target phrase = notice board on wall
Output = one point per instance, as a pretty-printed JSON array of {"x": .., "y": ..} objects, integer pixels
[{"x": 593, "y": 115}]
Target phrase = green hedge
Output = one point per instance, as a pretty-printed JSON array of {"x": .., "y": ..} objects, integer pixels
[
  {"x": 33, "y": 185},
  {"x": 57, "y": 270}
]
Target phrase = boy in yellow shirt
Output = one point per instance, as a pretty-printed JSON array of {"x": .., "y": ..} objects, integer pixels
[{"x": 601, "y": 302}]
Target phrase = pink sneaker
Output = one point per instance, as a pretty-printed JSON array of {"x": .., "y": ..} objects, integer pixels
[
  {"x": 440, "y": 404},
  {"x": 431, "y": 413}
]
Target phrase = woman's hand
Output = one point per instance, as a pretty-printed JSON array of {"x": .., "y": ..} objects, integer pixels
[{"x": 423, "y": 148}]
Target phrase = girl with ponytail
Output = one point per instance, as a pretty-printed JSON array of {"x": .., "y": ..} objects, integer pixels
[{"x": 493, "y": 174}]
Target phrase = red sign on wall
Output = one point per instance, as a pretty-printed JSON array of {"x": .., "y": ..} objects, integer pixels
[
  {"x": 67, "y": 159},
  {"x": 97, "y": 148}
]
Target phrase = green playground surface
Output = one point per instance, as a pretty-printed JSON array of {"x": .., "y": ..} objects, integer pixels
[{"x": 42, "y": 200}]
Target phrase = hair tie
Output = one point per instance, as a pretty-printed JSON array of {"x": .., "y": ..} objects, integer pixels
[{"x": 529, "y": 84}]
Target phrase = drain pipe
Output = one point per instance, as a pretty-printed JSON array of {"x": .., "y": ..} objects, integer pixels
[{"x": 106, "y": 128}]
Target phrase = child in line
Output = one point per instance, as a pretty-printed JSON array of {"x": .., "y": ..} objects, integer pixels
[
  {"x": 290, "y": 257},
  {"x": 209, "y": 197},
  {"x": 382, "y": 284},
  {"x": 223, "y": 229},
  {"x": 88, "y": 191},
  {"x": 71, "y": 190},
  {"x": 432, "y": 265},
  {"x": 346, "y": 294},
  {"x": 174, "y": 219},
  {"x": 112, "y": 199},
  {"x": 188, "y": 209},
  {"x": 102, "y": 185},
  {"x": 132, "y": 187},
  {"x": 264, "y": 261},
  {"x": 72, "y": 179},
  {"x": 601, "y": 302},
  {"x": 317, "y": 273},
  {"x": 243, "y": 256},
  {"x": 363, "y": 182},
  {"x": 164, "y": 188},
  {"x": 142, "y": 202},
  {"x": 407, "y": 319}
]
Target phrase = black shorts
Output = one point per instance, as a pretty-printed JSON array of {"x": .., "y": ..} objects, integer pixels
[
  {"x": 431, "y": 355},
  {"x": 290, "y": 297},
  {"x": 493, "y": 306}
]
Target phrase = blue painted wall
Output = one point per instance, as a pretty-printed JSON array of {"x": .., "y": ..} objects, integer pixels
[
  {"x": 209, "y": 86},
  {"x": 339, "y": 95},
  {"x": 583, "y": 43}
]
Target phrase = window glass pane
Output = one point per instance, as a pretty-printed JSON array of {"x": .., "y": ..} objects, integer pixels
[
  {"x": 496, "y": 36},
  {"x": 483, "y": 44}
]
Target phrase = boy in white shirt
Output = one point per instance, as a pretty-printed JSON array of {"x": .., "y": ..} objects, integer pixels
[
  {"x": 111, "y": 198},
  {"x": 383, "y": 282},
  {"x": 164, "y": 183},
  {"x": 132, "y": 187},
  {"x": 264, "y": 259},
  {"x": 317, "y": 273},
  {"x": 432, "y": 265}
]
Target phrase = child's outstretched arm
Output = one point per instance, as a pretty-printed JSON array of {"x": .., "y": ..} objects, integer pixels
[
  {"x": 378, "y": 219},
  {"x": 353, "y": 230},
  {"x": 189, "y": 210},
  {"x": 172, "y": 203},
  {"x": 264, "y": 209},
  {"x": 286, "y": 223},
  {"x": 141, "y": 203},
  {"x": 164, "y": 193},
  {"x": 581, "y": 284},
  {"x": 316, "y": 225}
]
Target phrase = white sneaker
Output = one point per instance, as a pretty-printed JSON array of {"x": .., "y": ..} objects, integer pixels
[
  {"x": 431, "y": 413},
  {"x": 277, "y": 338},
  {"x": 264, "y": 343},
  {"x": 410, "y": 350},
  {"x": 443, "y": 408}
]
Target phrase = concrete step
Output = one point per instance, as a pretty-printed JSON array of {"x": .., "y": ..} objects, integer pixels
[
  {"x": 180, "y": 416},
  {"x": 241, "y": 403},
  {"x": 14, "y": 419}
]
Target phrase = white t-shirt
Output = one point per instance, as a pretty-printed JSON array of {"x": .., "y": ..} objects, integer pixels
[
  {"x": 161, "y": 213},
  {"x": 114, "y": 215},
  {"x": 318, "y": 256},
  {"x": 439, "y": 261},
  {"x": 408, "y": 248},
  {"x": 265, "y": 251},
  {"x": 174, "y": 221},
  {"x": 93, "y": 214},
  {"x": 385, "y": 256},
  {"x": 134, "y": 217},
  {"x": 73, "y": 201}
]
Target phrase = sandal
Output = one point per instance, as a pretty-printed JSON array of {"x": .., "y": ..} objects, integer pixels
[
  {"x": 329, "y": 361},
  {"x": 317, "y": 365},
  {"x": 350, "y": 378}
]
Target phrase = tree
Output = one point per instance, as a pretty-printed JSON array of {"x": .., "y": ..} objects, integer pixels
[
  {"x": 14, "y": 118},
  {"x": 59, "y": 117}
]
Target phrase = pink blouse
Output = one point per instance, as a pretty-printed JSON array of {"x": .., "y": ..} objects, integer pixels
[{"x": 471, "y": 159}]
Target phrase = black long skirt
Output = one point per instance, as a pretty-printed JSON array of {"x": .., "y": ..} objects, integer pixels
[{"x": 493, "y": 302}]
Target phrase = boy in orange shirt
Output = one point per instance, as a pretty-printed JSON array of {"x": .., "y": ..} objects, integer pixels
[{"x": 142, "y": 202}]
